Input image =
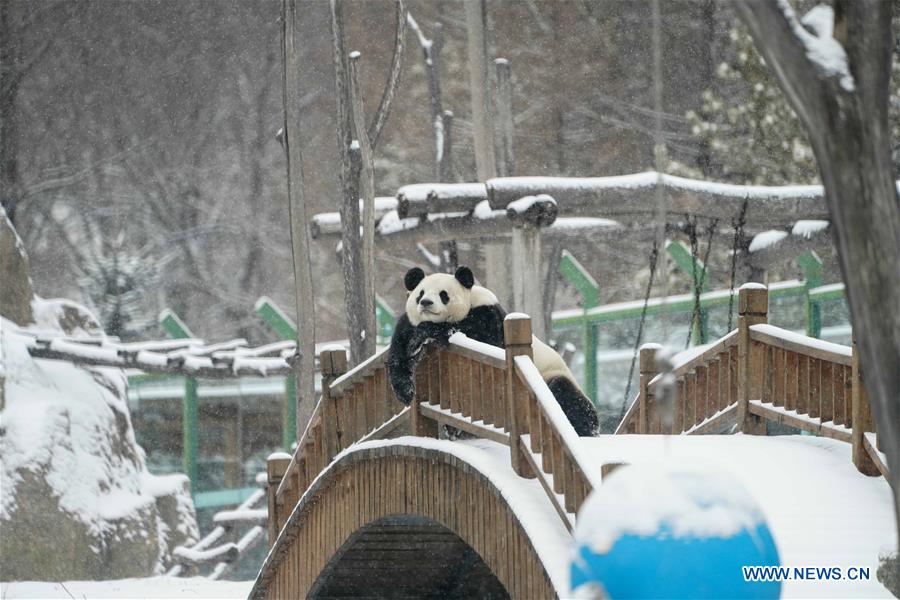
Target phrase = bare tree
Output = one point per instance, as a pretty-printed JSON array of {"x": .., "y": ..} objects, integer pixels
[
  {"x": 357, "y": 258},
  {"x": 834, "y": 65}
]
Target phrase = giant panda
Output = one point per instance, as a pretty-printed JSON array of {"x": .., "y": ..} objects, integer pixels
[{"x": 441, "y": 304}]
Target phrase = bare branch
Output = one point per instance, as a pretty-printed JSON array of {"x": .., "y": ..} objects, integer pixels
[{"x": 390, "y": 88}]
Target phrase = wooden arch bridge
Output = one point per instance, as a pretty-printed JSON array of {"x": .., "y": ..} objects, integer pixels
[{"x": 373, "y": 504}]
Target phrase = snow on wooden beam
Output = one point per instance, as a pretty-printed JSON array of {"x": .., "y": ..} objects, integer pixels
[
  {"x": 629, "y": 195},
  {"x": 774, "y": 247},
  {"x": 424, "y": 198}
]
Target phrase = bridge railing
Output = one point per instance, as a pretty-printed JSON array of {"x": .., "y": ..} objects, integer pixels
[
  {"x": 543, "y": 442},
  {"x": 760, "y": 372},
  {"x": 475, "y": 387}
]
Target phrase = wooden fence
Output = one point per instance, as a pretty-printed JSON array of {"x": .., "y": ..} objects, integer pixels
[
  {"x": 759, "y": 373},
  {"x": 480, "y": 389}
]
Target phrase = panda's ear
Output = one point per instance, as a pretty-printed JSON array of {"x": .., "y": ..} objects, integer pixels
[
  {"x": 412, "y": 278},
  {"x": 465, "y": 277}
]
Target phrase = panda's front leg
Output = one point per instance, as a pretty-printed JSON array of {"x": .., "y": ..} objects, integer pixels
[{"x": 428, "y": 331}]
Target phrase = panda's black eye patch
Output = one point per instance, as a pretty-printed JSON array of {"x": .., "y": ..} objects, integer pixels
[
  {"x": 419, "y": 297},
  {"x": 445, "y": 297}
]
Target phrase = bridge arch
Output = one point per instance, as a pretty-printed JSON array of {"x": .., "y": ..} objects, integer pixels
[{"x": 413, "y": 482}]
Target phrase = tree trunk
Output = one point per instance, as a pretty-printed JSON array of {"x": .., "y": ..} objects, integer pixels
[
  {"x": 847, "y": 123},
  {"x": 299, "y": 223},
  {"x": 9, "y": 86}
]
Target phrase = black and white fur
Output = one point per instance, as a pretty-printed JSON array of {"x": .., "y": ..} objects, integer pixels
[{"x": 441, "y": 304}]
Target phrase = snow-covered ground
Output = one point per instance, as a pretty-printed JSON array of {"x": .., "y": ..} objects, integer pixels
[
  {"x": 821, "y": 510},
  {"x": 130, "y": 589}
]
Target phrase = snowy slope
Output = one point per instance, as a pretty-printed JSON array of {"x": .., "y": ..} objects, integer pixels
[{"x": 821, "y": 510}]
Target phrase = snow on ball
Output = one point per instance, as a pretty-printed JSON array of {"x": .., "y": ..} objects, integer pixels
[{"x": 673, "y": 531}]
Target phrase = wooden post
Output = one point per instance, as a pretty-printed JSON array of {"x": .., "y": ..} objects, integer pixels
[
  {"x": 517, "y": 338},
  {"x": 333, "y": 364},
  {"x": 276, "y": 467},
  {"x": 753, "y": 308},
  {"x": 648, "y": 370},
  {"x": 861, "y": 418},
  {"x": 526, "y": 274}
]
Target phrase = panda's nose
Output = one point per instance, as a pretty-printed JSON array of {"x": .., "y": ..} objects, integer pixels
[{"x": 426, "y": 302}]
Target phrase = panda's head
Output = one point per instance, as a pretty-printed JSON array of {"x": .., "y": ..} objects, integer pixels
[{"x": 440, "y": 297}]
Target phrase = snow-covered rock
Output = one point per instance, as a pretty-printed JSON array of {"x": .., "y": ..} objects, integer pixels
[{"x": 76, "y": 499}]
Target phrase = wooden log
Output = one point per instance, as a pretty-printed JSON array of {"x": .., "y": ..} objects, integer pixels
[
  {"x": 632, "y": 196},
  {"x": 753, "y": 308},
  {"x": 517, "y": 339}
]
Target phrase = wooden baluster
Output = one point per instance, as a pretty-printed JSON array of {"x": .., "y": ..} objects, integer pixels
[
  {"x": 467, "y": 387},
  {"x": 419, "y": 424},
  {"x": 454, "y": 382},
  {"x": 791, "y": 376},
  {"x": 517, "y": 339},
  {"x": 383, "y": 401},
  {"x": 712, "y": 387},
  {"x": 559, "y": 466},
  {"x": 734, "y": 370},
  {"x": 848, "y": 396},
  {"x": 487, "y": 407},
  {"x": 862, "y": 420},
  {"x": 813, "y": 406},
  {"x": 276, "y": 466},
  {"x": 546, "y": 445},
  {"x": 479, "y": 373},
  {"x": 373, "y": 418},
  {"x": 778, "y": 373},
  {"x": 359, "y": 403},
  {"x": 535, "y": 424},
  {"x": 333, "y": 364},
  {"x": 802, "y": 384},
  {"x": 648, "y": 371},
  {"x": 690, "y": 391},
  {"x": 753, "y": 308},
  {"x": 678, "y": 425},
  {"x": 499, "y": 408},
  {"x": 826, "y": 393},
  {"x": 702, "y": 392},
  {"x": 570, "y": 484},
  {"x": 837, "y": 389},
  {"x": 444, "y": 359}
]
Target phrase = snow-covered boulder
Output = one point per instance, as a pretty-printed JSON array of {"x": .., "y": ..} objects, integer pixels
[{"x": 76, "y": 499}]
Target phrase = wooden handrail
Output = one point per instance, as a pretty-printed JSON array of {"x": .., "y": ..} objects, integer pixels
[
  {"x": 760, "y": 373},
  {"x": 551, "y": 445},
  {"x": 777, "y": 337}
]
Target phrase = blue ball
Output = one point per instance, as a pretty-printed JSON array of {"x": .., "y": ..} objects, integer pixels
[{"x": 654, "y": 531}]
